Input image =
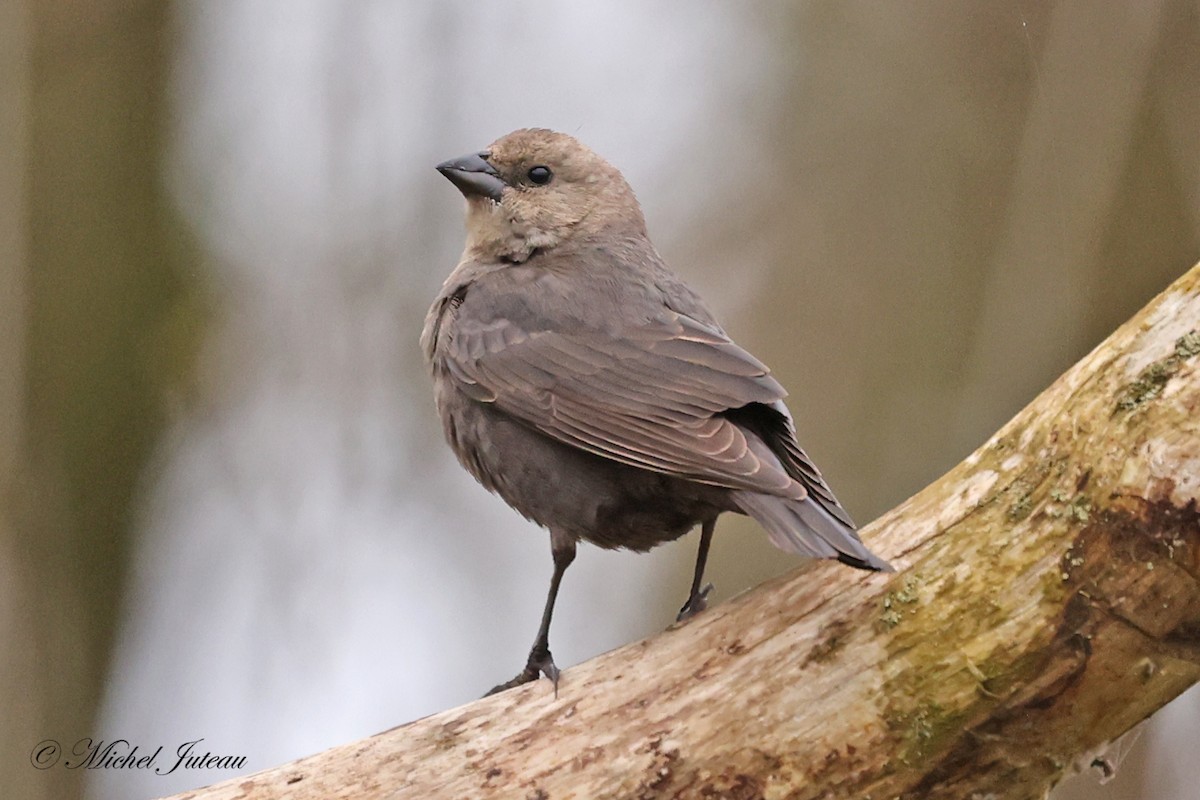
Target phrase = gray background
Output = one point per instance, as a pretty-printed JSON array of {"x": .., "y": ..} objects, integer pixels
[{"x": 228, "y": 512}]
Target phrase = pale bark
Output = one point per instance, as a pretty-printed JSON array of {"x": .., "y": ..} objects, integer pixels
[{"x": 1047, "y": 600}]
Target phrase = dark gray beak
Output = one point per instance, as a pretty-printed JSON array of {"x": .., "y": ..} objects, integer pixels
[{"x": 474, "y": 176}]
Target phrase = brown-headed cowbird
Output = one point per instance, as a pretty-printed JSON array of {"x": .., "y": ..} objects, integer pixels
[{"x": 577, "y": 377}]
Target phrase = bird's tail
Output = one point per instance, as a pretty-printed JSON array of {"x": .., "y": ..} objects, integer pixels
[{"x": 803, "y": 527}]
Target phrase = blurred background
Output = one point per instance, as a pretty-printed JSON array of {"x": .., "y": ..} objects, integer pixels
[{"x": 227, "y": 512}]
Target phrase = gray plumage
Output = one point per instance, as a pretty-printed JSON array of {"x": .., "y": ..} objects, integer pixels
[{"x": 577, "y": 377}]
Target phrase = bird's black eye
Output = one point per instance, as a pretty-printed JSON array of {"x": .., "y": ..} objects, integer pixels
[{"x": 540, "y": 176}]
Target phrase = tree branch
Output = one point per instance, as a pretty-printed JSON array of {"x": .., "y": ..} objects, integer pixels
[{"x": 1048, "y": 600}]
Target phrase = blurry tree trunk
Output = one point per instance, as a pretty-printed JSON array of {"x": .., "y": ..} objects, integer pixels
[
  {"x": 84, "y": 279},
  {"x": 1048, "y": 599},
  {"x": 1075, "y": 146},
  {"x": 19, "y": 674}
]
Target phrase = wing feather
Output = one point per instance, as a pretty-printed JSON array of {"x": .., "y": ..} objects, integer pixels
[{"x": 653, "y": 398}]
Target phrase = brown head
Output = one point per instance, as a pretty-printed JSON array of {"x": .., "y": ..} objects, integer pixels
[{"x": 536, "y": 189}]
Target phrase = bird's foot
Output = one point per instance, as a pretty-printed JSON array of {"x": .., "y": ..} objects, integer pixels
[
  {"x": 695, "y": 604},
  {"x": 540, "y": 663}
]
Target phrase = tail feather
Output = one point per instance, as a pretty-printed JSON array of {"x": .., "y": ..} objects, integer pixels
[{"x": 806, "y": 528}]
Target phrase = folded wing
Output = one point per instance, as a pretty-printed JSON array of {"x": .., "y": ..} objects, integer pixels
[{"x": 655, "y": 398}]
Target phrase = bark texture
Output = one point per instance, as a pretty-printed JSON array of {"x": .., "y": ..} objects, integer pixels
[{"x": 1047, "y": 600}]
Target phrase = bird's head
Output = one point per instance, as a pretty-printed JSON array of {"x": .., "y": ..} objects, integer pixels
[{"x": 534, "y": 190}]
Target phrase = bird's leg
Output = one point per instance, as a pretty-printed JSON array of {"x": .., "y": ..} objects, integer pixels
[
  {"x": 562, "y": 548},
  {"x": 696, "y": 600}
]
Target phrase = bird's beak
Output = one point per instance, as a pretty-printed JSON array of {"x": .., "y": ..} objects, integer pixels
[{"x": 474, "y": 176}]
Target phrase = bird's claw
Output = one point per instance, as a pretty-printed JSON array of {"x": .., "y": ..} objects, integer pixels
[
  {"x": 695, "y": 604},
  {"x": 540, "y": 663}
]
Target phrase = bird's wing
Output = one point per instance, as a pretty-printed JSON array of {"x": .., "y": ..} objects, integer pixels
[
  {"x": 653, "y": 398},
  {"x": 772, "y": 423}
]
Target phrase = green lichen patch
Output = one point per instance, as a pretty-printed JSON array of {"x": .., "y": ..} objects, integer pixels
[
  {"x": 925, "y": 730},
  {"x": 898, "y": 602},
  {"x": 1020, "y": 509},
  {"x": 1025, "y": 488},
  {"x": 1078, "y": 509},
  {"x": 1151, "y": 380},
  {"x": 1188, "y": 345}
]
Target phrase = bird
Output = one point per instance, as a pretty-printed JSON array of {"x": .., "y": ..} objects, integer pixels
[{"x": 581, "y": 380}]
